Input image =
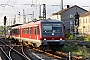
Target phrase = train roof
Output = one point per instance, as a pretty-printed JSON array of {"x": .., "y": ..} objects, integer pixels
[
  {"x": 34, "y": 21},
  {"x": 48, "y": 20},
  {"x": 15, "y": 25}
]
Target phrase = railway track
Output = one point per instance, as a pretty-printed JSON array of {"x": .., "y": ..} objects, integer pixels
[
  {"x": 12, "y": 52},
  {"x": 39, "y": 54},
  {"x": 36, "y": 54}
]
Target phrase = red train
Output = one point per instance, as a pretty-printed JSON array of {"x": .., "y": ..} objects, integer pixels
[{"x": 42, "y": 33}]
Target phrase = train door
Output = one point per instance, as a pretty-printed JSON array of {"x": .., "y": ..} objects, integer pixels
[{"x": 36, "y": 32}]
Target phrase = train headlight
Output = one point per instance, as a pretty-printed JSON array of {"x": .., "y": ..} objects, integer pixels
[
  {"x": 60, "y": 38},
  {"x": 44, "y": 38},
  {"x": 52, "y": 33}
]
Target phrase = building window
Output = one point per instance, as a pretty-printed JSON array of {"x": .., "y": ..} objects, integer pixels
[
  {"x": 89, "y": 20},
  {"x": 80, "y": 21},
  {"x": 83, "y": 21},
  {"x": 86, "y": 20}
]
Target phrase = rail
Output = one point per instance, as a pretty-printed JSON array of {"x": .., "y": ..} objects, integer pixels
[
  {"x": 11, "y": 48},
  {"x": 5, "y": 54}
]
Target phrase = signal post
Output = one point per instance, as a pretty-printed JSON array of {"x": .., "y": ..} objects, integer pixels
[
  {"x": 5, "y": 27},
  {"x": 76, "y": 24}
]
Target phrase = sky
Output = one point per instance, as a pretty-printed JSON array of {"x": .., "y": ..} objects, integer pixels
[{"x": 10, "y": 8}]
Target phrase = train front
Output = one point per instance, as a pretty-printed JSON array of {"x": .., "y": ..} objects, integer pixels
[{"x": 53, "y": 35}]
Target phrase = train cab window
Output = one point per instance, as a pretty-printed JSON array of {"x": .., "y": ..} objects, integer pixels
[
  {"x": 49, "y": 28},
  {"x": 30, "y": 30},
  {"x": 34, "y": 30},
  {"x": 38, "y": 30}
]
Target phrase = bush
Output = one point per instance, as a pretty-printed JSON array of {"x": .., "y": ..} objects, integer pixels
[
  {"x": 70, "y": 48},
  {"x": 69, "y": 36},
  {"x": 87, "y": 39},
  {"x": 81, "y": 38}
]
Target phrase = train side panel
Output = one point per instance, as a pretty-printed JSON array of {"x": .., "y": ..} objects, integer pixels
[{"x": 31, "y": 33}]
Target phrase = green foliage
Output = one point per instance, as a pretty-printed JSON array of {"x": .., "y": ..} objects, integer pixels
[
  {"x": 70, "y": 48},
  {"x": 81, "y": 38},
  {"x": 69, "y": 36},
  {"x": 87, "y": 39},
  {"x": 1, "y": 30},
  {"x": 74, "y": 49},
  {"x": 83, "y": 51}
]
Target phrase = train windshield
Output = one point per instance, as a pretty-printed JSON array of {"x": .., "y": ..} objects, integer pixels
[{"x": 52, "y": 29}]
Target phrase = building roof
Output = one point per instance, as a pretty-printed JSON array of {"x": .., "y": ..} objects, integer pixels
[
  {"x": 85, "y": 14},
  {"x": 61, "y": 11}
]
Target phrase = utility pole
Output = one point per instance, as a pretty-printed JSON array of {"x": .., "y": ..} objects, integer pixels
[
  {"x": 44, "y": 11},
  {"x": 40, "y": 10},
  {"x": 33, "y": 15},
  {"x": 61, "y": 4},
  {"x": 14, "y": 21},
  {"x": 19, "y": 16}
]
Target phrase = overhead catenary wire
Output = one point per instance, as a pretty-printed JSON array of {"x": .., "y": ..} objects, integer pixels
[
  {"x": 5, "y": 6},
  {"x": 14, "y": 3}
]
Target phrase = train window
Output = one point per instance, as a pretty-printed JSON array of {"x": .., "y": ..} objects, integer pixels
[
  {"x": 23, "y": 31},
  {"x": 26, "y": 30},
  {"x": 38, "y": 31},
  {"x": 30, "y": 30},
  {"x": 34, "y": 30},
  {"x": 17, "y": 31},
  {"x": 12, "y": 31},
  {"x": 49, "y": 28}
]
